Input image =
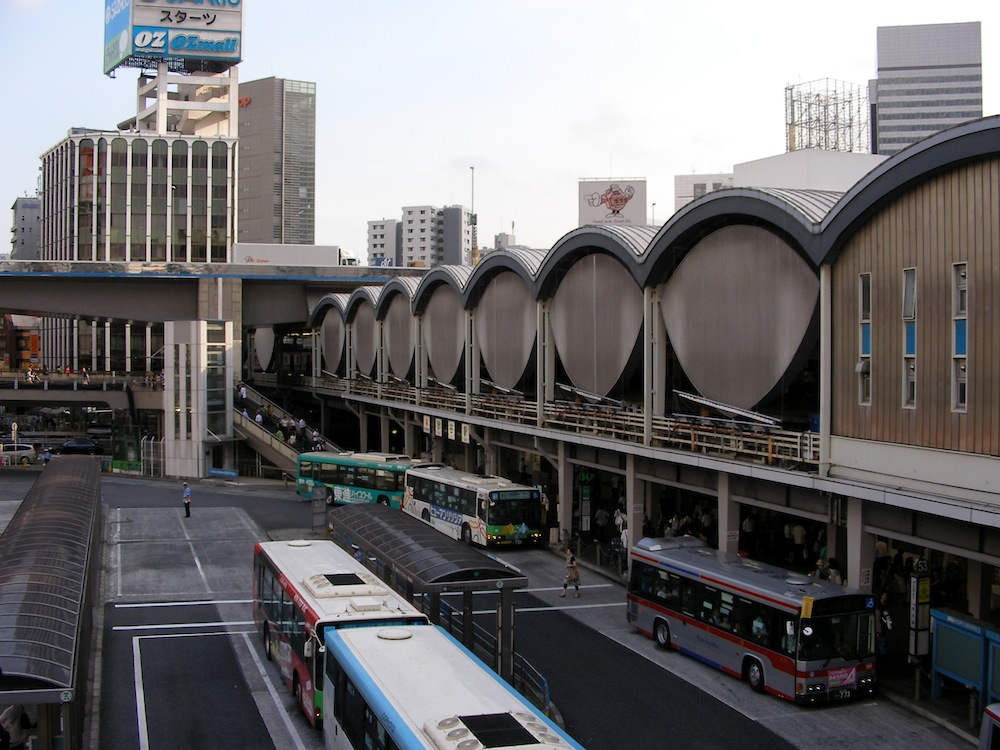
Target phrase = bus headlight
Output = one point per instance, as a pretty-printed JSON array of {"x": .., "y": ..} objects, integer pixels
[{"x": 818, "y": 687}]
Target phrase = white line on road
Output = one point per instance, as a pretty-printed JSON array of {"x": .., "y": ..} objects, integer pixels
[
  {"x": 140, "y": 695},
  {"x": 193, "y": 603},
  {"x": 286, "y": 719},
  {"x": 184, "y": 626}
]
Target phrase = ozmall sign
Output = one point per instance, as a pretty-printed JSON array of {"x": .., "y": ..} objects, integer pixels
[{"x": 187, "y": 33}]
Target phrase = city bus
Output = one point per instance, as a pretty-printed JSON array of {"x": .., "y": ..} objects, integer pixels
[
  {"x": 409, "y": 687},
  {"x": 477, "y": 509},
  {"x": 803, "y": 639},
  {"x": 353, "y": 478},
  {"x": 302, "y": 588}
]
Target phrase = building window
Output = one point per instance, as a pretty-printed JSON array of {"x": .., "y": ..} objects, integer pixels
[
  {"x": 699, "y": 189},
  {"x": 959, "y": 356},
  {"x": 864, "y": 366},
  {"x": 910, "y": 337}
]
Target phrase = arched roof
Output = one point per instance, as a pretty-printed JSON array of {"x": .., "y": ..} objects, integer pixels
[
  {"x": 369, "y": 294},
  {"x": 454, "y": 276},
  {"x": 336, "y": 301},
  {"x": 624, "y": 243},
  {"x": 45, "y": 562},
  {"x": 406, "y": 286},
  {"x": 794, "y": 214},
  {"x": 945, "y": 150},
  {"x": 524, "y": 262}
]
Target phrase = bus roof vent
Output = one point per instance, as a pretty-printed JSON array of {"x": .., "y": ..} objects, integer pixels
[
  {"x": 798, "y": 581},
  {"x": 327, "y": 585},
  {"x": 510, "y": 730},
  {"x": 365, "y": 604}
]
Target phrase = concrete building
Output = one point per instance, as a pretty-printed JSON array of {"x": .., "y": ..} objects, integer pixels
[
  {"x": 434, "y": 236},
  {"x": 929, "y": 78},
  {"x": 277, "y": 158},
  {"x": 25, "y": 234},
  {"x": 384, "y": 242},
  {"x": 688, "y": 187},
  {"x": 806, "y": 169}
]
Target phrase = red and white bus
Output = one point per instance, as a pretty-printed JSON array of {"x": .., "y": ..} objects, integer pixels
[
  {"x": 302, "y": 587},
  {"x": 805, "y": 640}
]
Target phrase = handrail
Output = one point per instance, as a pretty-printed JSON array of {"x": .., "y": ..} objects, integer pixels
[{"x": 764, "y": 444}]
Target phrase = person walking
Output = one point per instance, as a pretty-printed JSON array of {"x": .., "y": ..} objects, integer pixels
[
  {"x": 186, "y": 497},
  {"x": 572, "y": 574},
  {"x": 15, "y": 723}
]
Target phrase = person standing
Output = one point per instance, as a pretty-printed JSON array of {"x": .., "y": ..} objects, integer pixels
[
  {"x": 186, "y": 497},
  {"x": 16, "y": 723},
  {"x": 572, "y": 574}
]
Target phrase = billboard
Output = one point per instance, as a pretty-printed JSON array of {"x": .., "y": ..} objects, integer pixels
[
  {"x": 194, "y": 35},
  {"x": 613, "y": 201}
]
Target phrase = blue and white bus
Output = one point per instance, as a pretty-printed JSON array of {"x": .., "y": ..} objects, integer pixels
[{"x": 417, "y": 687}]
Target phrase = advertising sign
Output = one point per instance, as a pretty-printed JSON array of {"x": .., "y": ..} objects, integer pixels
[
  {"x": 116, "y": 32},
  {"x": 614, "y": 201},
  {"x": 147, "y": 31}
]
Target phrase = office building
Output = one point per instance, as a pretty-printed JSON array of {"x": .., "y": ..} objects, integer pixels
[
  {"x": 24, "y": 229},
  {"x": 929, "y": 78},
  {"x": 277, "y": 162}
]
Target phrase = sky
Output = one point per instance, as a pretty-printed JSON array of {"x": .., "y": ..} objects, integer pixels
[{"x": 502, "y": 105}]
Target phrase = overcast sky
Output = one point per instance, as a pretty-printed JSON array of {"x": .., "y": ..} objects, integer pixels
[{"x": 535, "y": 94}]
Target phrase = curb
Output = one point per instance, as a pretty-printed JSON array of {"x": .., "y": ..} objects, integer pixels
[{"x": 906, "y": 703}]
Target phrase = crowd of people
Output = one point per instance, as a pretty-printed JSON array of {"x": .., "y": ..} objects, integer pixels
[{"x": 293, "y": 432}]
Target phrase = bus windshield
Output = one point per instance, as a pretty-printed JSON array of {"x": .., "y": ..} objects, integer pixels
[
  {"x": 849, "y": 636},
  {"x": 515, "y": 508}
]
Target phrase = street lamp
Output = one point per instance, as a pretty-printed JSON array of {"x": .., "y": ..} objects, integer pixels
[{"x": 653, "y": 222}]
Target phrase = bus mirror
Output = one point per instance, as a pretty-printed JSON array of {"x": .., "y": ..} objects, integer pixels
[
  {"x": 308, "y": 649},
  {"x": 789, "y": 628}
]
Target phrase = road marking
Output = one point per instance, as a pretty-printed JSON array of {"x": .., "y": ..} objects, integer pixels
[
  {"x": 539, "y": 590},
  {"x": 285, "y": 718},
  {"x": 140, "y": 694},
  {"x": 191, "y": 603},
  {"x": 555, "y": 608},
  {"x": 184, "y": 626}
]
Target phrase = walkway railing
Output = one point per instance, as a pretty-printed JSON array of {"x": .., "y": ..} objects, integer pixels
[{"x": 762, "y": 444}]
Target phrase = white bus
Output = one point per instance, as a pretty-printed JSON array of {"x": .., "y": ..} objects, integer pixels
[
  {"x": 483, "y": 510},
  {"x": 805, "y": 640},
  {"x": 300, "y": 589},
  {"x": 417, "y": 687}
]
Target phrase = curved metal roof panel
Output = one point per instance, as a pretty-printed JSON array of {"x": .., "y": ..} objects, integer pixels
[
  {"x": 45, "y": 555},
  {"x": 425, "y": 557},
  {"x": 814, "y": 205}
]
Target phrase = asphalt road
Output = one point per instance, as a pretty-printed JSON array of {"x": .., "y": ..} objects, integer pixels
[{"x": 180, "y": 664}]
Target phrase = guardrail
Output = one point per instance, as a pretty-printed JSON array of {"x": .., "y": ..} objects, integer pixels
[{"x": 763, "y": 444}]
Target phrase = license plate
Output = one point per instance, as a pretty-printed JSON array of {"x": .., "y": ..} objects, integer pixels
[
  {"x": 842, "y": 694},
  {"x": 518, "y": 541}
]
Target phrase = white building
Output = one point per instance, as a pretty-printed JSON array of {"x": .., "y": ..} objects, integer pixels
[
  {"x": 688, "y": 187},
  {"x": 434, "y": 236},
  {"x": 384, "y": 242}
]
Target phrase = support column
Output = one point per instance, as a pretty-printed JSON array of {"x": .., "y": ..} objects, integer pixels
[
  {"x": 860, "y": 548},
  {"x": 729, "y": 517},
  {"x": 825, "y": 365},
  {"x": 977, "y": 587},
  {"x": 565, "y": 492}
]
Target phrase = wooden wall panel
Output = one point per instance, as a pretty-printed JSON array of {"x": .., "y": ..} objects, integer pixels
[{"x": 952, "y": 218}]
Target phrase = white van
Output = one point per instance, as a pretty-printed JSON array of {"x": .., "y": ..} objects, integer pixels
[{"x": 17, "y": 453}]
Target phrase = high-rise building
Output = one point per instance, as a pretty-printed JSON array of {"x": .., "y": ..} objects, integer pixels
[
  {"x": 432, "y": 236},
  {"x": 277, "y": 172},
  {"x": 25, "y": 234},
  {"x": 929, "y": 78}
]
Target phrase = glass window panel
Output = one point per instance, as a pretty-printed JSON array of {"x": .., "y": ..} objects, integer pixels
[{"x": 960, "y": 337}]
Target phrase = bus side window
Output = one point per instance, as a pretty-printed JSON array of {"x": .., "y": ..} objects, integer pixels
[{"x": 691, "y": 600}]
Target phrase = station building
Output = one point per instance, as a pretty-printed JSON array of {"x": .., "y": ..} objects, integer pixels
[{"x": 813, "y": 371}]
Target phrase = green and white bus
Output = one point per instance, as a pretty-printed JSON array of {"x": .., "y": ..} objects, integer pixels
[
  {"x": 353, "y": 478},
  {"x": 485, "y": 510}
]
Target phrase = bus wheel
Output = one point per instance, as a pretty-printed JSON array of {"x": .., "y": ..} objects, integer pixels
[
  {"x": 466, "y": 534},
  {"x": 755, "y": 675},
  {"x": 329, "y": 496},
  {"x": 383, "y": 500},
  {"x": 267, "y": 645},
  {"x": 661, "y": 632},
  {"x": 425, "y": 516}
]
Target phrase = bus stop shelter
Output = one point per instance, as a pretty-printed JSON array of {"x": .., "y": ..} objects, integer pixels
[
  {"x": 415, "y": 559},
  {"x": 48, "y": 561}
]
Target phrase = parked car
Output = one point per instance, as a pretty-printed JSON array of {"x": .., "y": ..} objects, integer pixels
[
  {"x": 17, "y": 453},
  {"x": 78, "y": 447}
]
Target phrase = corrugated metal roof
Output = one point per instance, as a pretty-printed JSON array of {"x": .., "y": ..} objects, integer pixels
[
  {"x": 45, "y": 555},
  {"x": 529, "y": 258},
  {"x": 813, "y": 204},
  {"x": 425, "y": 557}
]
